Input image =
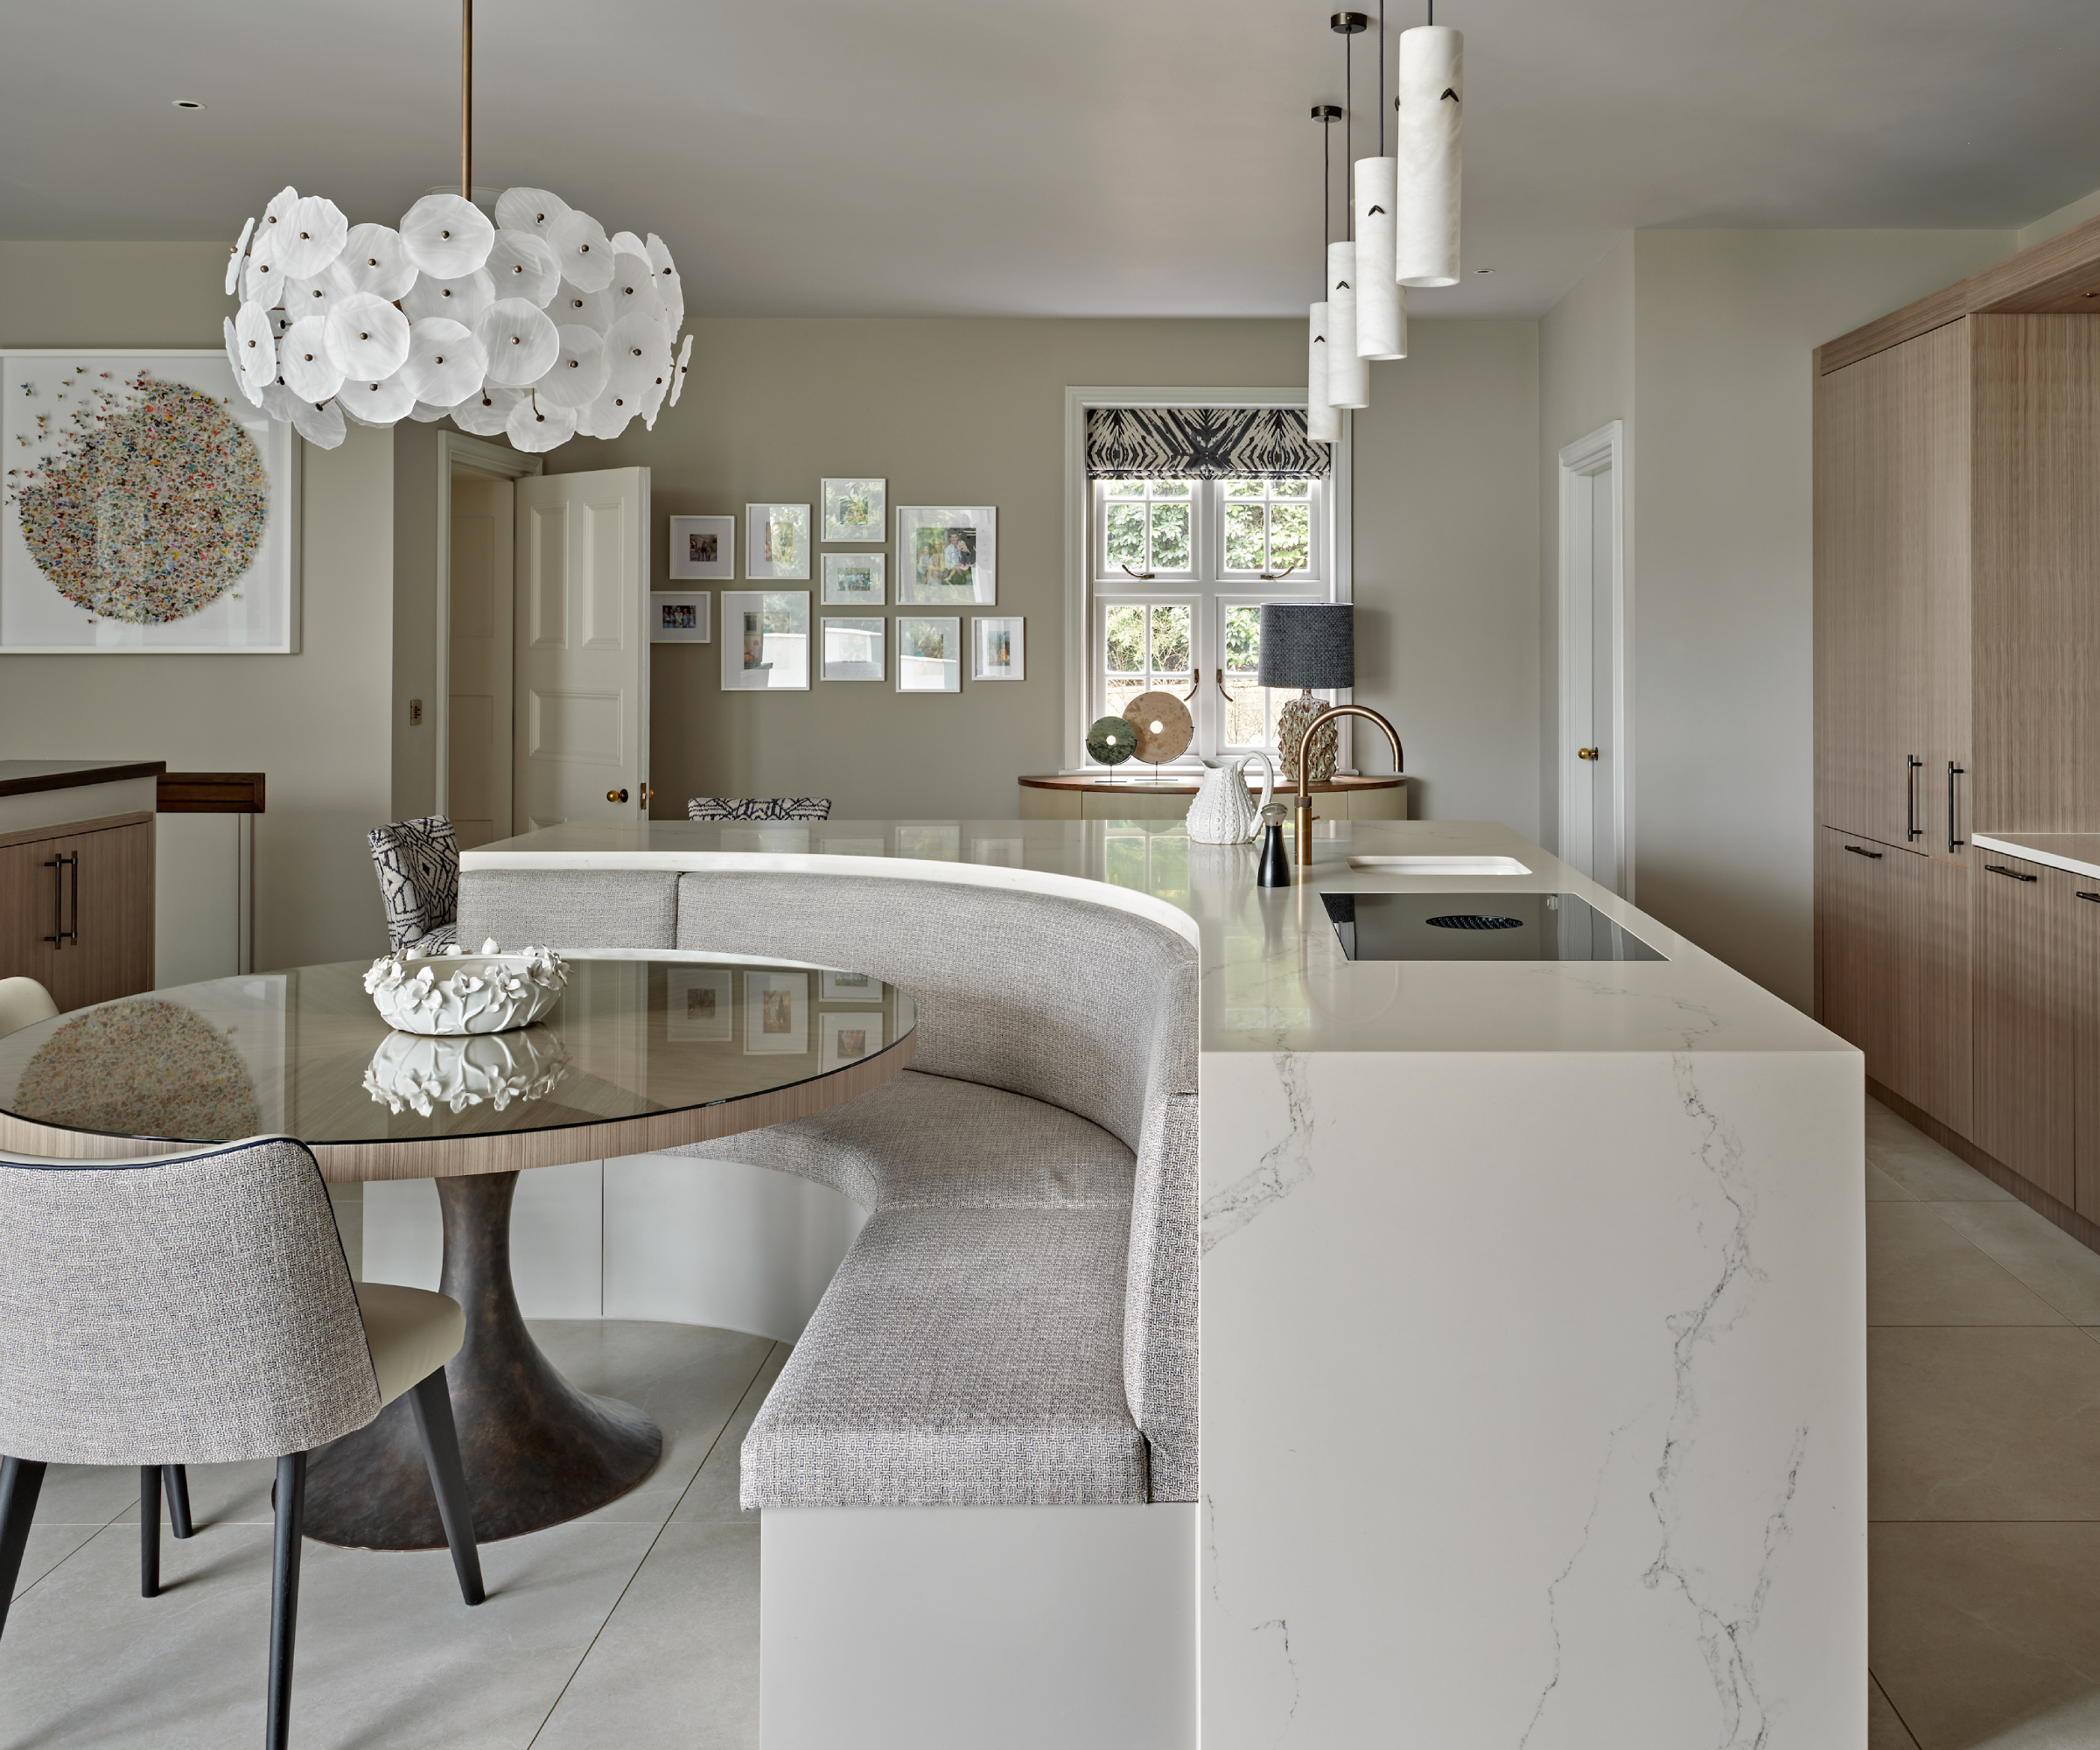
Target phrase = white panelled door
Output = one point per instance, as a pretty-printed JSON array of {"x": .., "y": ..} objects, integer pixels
[
  {"x": 1592, "y": 632},
  {"x": 583, "y": 648}
]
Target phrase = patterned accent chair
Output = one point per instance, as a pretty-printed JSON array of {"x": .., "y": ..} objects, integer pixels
[
  {"x": 758, "y": 808},
  {"x": 418, "y": 865},
  {"x": 204, "y": 1352}
]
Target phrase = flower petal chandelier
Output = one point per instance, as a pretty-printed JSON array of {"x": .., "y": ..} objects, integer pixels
[
  {"x": 538, "y": 326},
  {"x": 1403, "y": 216}
]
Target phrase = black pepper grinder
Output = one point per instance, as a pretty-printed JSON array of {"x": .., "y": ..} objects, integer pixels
[{"x": 1274, "y": 870}]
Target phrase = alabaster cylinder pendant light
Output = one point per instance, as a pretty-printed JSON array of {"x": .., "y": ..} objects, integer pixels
[
  {"x": 1432, "y": 107},
  {"x": 1348, "y": 376},
  {"x": 1381, "y": 305},
  {"x": 1323, "y": 423}
]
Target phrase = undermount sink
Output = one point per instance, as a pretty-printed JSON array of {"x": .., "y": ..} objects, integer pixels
[{"x": 1441, "y": 866}]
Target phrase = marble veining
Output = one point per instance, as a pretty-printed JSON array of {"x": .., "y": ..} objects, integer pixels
[{"x": 1283, "y": 1166}]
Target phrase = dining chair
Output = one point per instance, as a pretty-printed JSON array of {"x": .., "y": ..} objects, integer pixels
[
  {"x": 24, "y": 1002},
  {"x": 233, "y": 1332},
  {"x": 758, "y": 808},
  {"x": 418, "y": 866}
]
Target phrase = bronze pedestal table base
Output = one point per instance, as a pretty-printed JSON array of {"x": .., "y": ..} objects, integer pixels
[{"x": 535, "y": 1450}]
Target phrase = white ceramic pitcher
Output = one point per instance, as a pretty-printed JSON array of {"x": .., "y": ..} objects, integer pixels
[{"x": 1222, "y": 813}]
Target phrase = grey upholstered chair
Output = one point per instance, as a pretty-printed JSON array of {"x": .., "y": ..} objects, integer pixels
[
  {"x": 24, "y": 1002},
  {"x": 233, "y": 1332},
  {"x": 758, "y": 808},
  {"x": 418, "y": 866}
]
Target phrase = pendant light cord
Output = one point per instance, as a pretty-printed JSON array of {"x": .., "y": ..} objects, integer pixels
[
  {"x": 1381, "y": 78},
  {"x": 466, "y": 99},
  {"x": 1348, "y": 103}
]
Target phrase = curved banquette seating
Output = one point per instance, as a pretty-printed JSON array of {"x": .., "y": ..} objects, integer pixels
[{"x": 1016, "y": 1324}]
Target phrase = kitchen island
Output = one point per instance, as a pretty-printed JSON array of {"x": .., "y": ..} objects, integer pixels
[{"x": 1532, "y": 1298}]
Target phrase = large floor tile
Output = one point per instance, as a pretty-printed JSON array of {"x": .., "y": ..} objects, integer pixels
[
  {"x": 1989, "y": 1634},
  {"x": 1884, "y": 1727},
  {"x": 1921, "y": 1270},
  {"x": 1978, "y": 1423},
  {"x": 73, "y": 1503},
  {"x": 2037, "y": 1251},
  {"x": 678, "y": 1665},
  {"x": 1919, "y": 1165},
  {"x": 1880, "y": 1188}
]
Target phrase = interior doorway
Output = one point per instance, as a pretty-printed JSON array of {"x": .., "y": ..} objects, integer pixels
[
  {"x": 478, "y": 690},
  {"x": 1593, "y": 764}
]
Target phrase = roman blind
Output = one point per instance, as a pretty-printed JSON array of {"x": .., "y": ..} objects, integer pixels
[{"x": 1201, "y": 443}]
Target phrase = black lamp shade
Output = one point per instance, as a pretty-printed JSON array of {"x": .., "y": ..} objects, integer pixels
[{"x": 1308, "y": 644}]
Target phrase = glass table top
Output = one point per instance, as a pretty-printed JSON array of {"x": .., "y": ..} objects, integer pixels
[{"x": 304, "y": 1054}]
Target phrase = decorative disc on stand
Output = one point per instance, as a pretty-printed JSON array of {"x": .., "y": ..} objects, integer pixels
[
  {"x": 1112, "y": 740},
  {"x": 1164, "y": 726}
]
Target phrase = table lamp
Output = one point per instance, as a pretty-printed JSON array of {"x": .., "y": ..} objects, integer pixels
[{"x": 1307, "y": 645}]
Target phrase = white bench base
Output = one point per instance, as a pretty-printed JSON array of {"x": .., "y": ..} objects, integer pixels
[{"x": 958, "y": 1628}]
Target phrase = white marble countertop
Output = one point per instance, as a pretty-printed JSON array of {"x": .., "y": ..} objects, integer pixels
[
  {"x": 1274, "y": 974},
  {"x": 2076, "y": 852}
]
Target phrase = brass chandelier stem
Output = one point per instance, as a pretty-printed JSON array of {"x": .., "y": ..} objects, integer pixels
[{"x": 466, "y": 99}]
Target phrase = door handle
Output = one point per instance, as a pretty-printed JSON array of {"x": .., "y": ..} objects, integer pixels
[
  {"x": 1954, "y": 842},
  {"x": 1585, "y": 753},
  {"x": 60, "y": 934},
  {"x": 616, "y": 795},
  {"x": 2010, "y": 874},
  {"x": 1911, "y": 828},
  {"x": 2082, "y": 894},
  {"x": 1858, "y": 851}
]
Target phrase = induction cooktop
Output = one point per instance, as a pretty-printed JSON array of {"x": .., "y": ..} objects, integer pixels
[{"x": 1478, "y": 927}]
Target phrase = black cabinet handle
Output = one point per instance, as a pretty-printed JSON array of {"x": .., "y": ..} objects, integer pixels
[
  {"x": 2011, "y": 874},
  {"x": 2095, "y": 898},
  {"x": 1858, "y": 851},
  {"x": 1911, "y": 828},
  {"x": 60, "y": 934},
  {"x": 1954, "y": 841}
]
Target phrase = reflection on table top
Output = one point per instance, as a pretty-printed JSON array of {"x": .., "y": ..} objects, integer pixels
[{"x": 304, "y": 1054}]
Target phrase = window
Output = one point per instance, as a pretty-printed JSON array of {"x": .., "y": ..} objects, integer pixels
[{"x": 1177, "y": 571}]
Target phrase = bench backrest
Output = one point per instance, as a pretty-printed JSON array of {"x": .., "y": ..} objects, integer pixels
[{"x": 1082, "y": 1006}]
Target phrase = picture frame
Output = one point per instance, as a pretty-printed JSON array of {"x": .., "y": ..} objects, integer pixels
[
  {"x": 227, "y": 586},
  {"x": 765, "y": 640},
  {"x": 776, "y": 543},
  {"x": 856, "y": 509},
  {"x": 929, "y": 652},
  {"x": 846, "y": 987},
  {"x": 699, "y": 1004},
  {"x": 854, "y": 647},
  {"x": 998, "y": 647},
  {"x": 703, "y": 550},
  {"x": 776, "y": 1014},
  {"x": 847, "y": 1036},
  {"x": 855, "y": 579},
  {"x": 948, "y": 556},
  {"x": 681, "y": 617}
]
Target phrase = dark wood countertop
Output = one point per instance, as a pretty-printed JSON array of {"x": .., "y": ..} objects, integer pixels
[{"x": 23, "y": 777}]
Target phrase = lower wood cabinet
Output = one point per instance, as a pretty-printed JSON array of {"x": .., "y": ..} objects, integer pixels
[
  {"x": 1893, "y": 967},
  {"x": 2022, "y": 1013},
  {"x": 76, "y": 909}
]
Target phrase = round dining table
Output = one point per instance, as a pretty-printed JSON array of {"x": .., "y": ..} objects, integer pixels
[{"x": 639, "y": 1053}]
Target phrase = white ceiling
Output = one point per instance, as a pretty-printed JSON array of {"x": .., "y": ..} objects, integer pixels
[{"x": 1109, "y": 158}]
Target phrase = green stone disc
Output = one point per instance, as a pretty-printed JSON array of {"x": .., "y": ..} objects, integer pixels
[{"x": 1112, "y": 740}]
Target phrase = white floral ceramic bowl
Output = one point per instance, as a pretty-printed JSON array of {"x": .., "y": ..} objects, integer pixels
[
  {"x": 422, "y": 1073},
  {"x": 455, "y": 992}
]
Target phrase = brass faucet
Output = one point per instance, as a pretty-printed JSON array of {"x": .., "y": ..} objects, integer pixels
[{"x": 1305, "y": 784}]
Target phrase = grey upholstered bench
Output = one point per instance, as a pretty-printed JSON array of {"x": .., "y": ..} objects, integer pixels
[{"x": 1017, "y": 1322}]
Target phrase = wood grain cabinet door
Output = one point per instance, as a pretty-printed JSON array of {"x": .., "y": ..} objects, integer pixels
[
  {"x": 1858, "y": 933},
  {"x": 2085, "y": 1043},
  {"x": 1937, "y": 1059},
  {"x": 2023, "y": 1019},
  {"x": 32, "y": 899}
]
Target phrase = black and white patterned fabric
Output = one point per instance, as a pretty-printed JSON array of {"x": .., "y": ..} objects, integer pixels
[
  {"x": 418, "y": 865},
  {"x": 1201, "y": 443},
  {"x": 758, "y": 808}
]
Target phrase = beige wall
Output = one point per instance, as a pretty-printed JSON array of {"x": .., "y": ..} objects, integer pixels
[
  {"x": 1718, "y": 504},
  {"x": 968, "y": 411},
  {"x": 316, "y": 722}
]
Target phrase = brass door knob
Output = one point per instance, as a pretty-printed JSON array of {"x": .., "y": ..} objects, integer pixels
[
  {"x": 1585, "y": 753},
  {"x": 616, "y": 795}
]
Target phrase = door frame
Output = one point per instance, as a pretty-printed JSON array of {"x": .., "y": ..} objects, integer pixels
[
  {"x": 1584, "y": 459},
  {"x": 456, "y": 451}
]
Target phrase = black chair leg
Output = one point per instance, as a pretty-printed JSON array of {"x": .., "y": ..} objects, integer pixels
[
  {"x": 149, "y": 1530},
  {"x": 432, "y": 1403},
  {"x": 21, "y": 1482},
  {"x": 284, "y": 1595},
  {"x": 175, "y": 1479}
]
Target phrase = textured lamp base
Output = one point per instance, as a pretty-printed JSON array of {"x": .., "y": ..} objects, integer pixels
[{"x": 1291, "y": 725}]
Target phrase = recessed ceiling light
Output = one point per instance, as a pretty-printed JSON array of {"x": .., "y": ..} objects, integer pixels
[
  {"x": 187, "y": 104},
  {"x": 1483, "y": 271}
]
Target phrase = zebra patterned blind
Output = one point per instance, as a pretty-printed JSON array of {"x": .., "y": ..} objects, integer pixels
[{"x": 1201, "y": 443}]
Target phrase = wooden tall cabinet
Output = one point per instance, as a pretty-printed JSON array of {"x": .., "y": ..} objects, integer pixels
[
  {"x": 1957, "y": 691},
  {"x": 76, "y": 908}
]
